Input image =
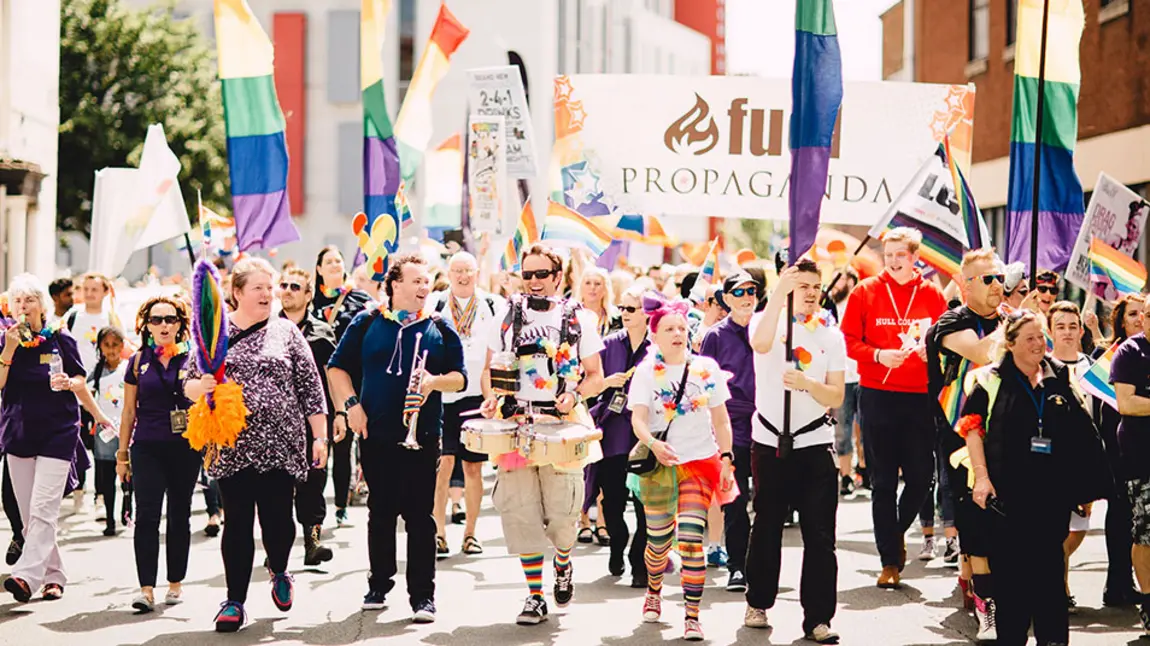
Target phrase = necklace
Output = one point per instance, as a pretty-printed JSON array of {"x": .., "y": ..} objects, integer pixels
[
  {"x": 170, "y": 350},
  {"x": 665, "y": 390},
  {"x": 566, "y": 365},
  {"x": 813, "y": 322},
  {"x": 335, "y": 292},
  {"x": 464, "y": 317},
  {"x": 402, "y": 317},
  {"x": 43, "y": 335}
]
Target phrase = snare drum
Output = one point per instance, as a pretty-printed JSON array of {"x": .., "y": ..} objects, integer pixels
[
  {"x": 561, "y": 442},
  {"x": 490, "y": 436}
]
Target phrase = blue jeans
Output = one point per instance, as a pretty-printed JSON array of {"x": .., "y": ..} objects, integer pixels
[
  {"x": 845, "y": 416},
  {"x": 945, "y": 500}
]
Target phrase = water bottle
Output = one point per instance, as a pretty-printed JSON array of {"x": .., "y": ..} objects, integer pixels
[{"x": 55, "y": 366}]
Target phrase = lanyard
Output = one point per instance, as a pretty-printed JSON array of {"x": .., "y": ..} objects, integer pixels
[
  {"x": 909, "y": 303},
  {"x": 1039, "y": 402}
]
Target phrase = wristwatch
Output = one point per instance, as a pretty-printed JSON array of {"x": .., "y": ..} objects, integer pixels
[
  {"x": 727, "y": 454},
  {"x": 351, "y": 401},
  {"x": 344, "y": 413}
]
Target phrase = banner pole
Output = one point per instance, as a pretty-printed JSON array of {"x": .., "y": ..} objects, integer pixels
[
  {"x": 1038, "y": 149},
  {"x": 839, "y": 273}
]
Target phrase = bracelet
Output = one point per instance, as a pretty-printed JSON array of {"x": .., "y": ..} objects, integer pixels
[
  {"x": 319, "y": 439},
  {"x": 876, "y": 356},
  {"x": 344, "y": 413},
  {"x": 124, "y": 462},
  {"x": 123, "y": 452},
  {"x": 6, "y": 364}
]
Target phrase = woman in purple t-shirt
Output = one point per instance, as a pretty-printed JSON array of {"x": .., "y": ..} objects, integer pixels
[
  {"x": 162, "y": 463},
  {"x": 39, "y": 431}
]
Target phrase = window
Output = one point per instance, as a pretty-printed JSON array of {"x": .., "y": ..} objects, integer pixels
[
  {"x": 979, "y": 29},
  {"x": 1012, "y": 21},
  {"x": 406, "y": 45}
]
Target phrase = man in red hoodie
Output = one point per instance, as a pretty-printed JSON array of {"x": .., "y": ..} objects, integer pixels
[{"x": 885, "y": 327}]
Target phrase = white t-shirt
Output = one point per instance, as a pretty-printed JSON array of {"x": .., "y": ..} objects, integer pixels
[
  {"x": 851, "y": 368},
  {"x": 537, "y": 326},
  {"x": 110, "y": 401},
  {"x": 474, "y": 346},
  {"x": 817, "y": 353},
  {"x": 691, "y": 436},
  {"x": 84, "y": 330}
]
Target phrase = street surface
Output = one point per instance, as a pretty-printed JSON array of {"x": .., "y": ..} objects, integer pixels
[{"x": 478, "y": 597}]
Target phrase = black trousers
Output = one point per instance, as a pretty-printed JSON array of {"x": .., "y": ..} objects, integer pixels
[
  {"x": 736, "y": 520},
  {"x": 243, "y": 493},
  {"x": 340, "y": 458},
  {"x": 898, "y": 436},
  {"x": 310, "y": 507},
  {"x": 105, "y": 478},
  {"x": 1027, "y": 562},
  {"x": 212, "y": 501},
  {"x": 402, "y": 483},
  {"x": 807, "y": 481},
  {"x": 1119, "y": 514},
  {"x": 611, "y": 479},
  {"x": 11, "y": 508},
  {"x": 163, "y": 470}
]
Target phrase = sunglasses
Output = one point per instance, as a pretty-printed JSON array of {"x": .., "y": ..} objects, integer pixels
[
  {"x": 740, "y": 292},
  {"x": 539, "y": 274},
  {"x": 161, "y": 320},
  {"x": 987, "y": 279},
  {"x": 712, "y": 301},
  {"x": 628, "y": 309},
  {"x": 295, "y": 287},
  {"x": 1047, "y": 289}
]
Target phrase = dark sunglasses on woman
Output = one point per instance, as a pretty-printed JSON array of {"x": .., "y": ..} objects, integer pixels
[{"x": 160, "y": 320}]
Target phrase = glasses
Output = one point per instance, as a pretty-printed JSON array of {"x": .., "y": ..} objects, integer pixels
[
  {"x": 987, "y": 279},
  {"x": 740, "y": 292},
  {"x": 163, "y": 320},
  {"x": 712, "y": 301},
  {"x": 540, "y": 274},
  {"x": 295, "y": 287},
  {"x": 466, "y": 271},
  {"x": 628, "y": 309},
  {"x": 1047, "y": 289}
]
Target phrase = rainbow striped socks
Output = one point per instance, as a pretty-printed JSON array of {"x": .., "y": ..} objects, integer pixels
[
  {"x": 563, "y": 558},
  {"x": 533, "y": 570}
]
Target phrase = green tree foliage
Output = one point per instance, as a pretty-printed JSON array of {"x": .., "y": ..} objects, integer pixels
[{"x": 121, "y": 69}]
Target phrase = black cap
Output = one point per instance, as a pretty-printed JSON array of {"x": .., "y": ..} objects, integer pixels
[{"x": 738, "y": 278}]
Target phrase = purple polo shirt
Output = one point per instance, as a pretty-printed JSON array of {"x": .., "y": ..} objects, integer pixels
[
  {"x": 618, "y": 437},
  {"x": 36, "y": 421},
  {"x": 729, "y": 344},
  {"x": 159, "y": 391}
]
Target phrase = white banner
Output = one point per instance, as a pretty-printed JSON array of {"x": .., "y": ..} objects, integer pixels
[
  {"x": 718, "y": 145},
  {"x": 487, "y": 173},
  {"x": 1117, "y": 216},
  {"x": 498, "y": 91}
]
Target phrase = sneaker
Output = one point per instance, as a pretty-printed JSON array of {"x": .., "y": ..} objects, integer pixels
[
  {"x": 564, "y": 585},
  {"x": 424, "y": 612},
  {"x": 458, "y": 516},
  {"x": 755, "y": 618},
  {"x": 534, "y": 612},
  {"x": 52, "y": 592},
  {"x": 341, "y": 517},
  {"x": 847, "y": 487},
  {"x": 692, "y": 630},
  {"x": 441, "y": 551},
  {"x": 1144, "y": 615},
  {"x": 864, "y": 478},
  {"x": 19, "y": 589},
  {"x": 737, "y": 582},
  {"x": 927, "y": 551},
  {"x": 110, "y": 529},
  {"x": 212, "y": 530},
  {"x": 172, "y": 598},
  {"x": 374, "y": 600},
  {"x": 1071, "y": 605},
  {"x": 984, "y": 612},
  {"x": 822, "y": 634},
  {"x": 952, "y": 552},
  {"x": 143, "y": 604},
  {"x": 716, "y": 556},
  {"x": 15, "y": 549},
  {"x": 282, "y": 591},
  {"x": 652, "y": 607},
  {"x": 231, "y": 617}
]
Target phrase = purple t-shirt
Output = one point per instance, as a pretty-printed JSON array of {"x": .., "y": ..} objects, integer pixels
[
  {"x": 618, "y": 436},
  {"x": 159, "y": 391},
  {"x": 36, "y": 421},
  {"x": 729, "y": 344},
  {"x": 1131, "y": 365}
]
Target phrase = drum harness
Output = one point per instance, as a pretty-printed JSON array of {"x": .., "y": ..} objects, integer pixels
[{"x": 569, "y": 331}]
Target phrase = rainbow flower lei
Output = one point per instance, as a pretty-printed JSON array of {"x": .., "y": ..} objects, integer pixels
[
  {"x": 40, "y": 337},
  {"x": 402, "y": 317},
  {"x": 172, "y": 349},
  {"x": 566, "y": 365},
  {"x": 665, "y": 390}
]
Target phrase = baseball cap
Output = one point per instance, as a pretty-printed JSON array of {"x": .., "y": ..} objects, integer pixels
[{"x": 736, "y": 279}]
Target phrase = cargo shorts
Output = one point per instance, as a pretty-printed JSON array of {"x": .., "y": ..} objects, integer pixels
[{"x": 537, "y": 505}]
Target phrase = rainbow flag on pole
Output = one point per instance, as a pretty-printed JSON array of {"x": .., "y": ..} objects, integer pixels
[
  {"x": 1108, "y": 265},
  {"x": 257, "y": 149},
  {"x": 526, "y": 233},
  {"x": 377, "y": 228},
  {"x": 1096, "y": 381},
  {"x": 413, "y": 127},
  {"x": 939, "y": 249},
  {"x": 1060, "y": 205},
  {"x": 976, "y": 231},
  {"x": 563, "y": 224},
  {"x": 707, "y": 271}
]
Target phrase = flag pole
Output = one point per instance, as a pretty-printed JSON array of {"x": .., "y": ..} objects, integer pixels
[
  {"x": 188, "y": 238},
  {"x": 1038, "y": 149}
]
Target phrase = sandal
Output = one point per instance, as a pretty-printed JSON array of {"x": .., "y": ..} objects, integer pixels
[
  {"x": 471, "y": 545},
  {"x": 52, "y": 592},
  {"x": 584, "y": 535},
  {"x": 441, "y": 551},
  {"x": 602, "y": 536}
]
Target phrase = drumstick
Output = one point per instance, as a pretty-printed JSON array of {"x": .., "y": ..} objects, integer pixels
[{"x": 470, "y": 413}]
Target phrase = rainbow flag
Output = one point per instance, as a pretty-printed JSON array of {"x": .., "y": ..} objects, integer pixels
[
  {"x": 413, "y": 127},
  {"x": 257, "y": 149},
  {"x": 526, "y": 233},
  {"x": 1096, "y": 381},
  {"x": 1060, "y": 204},
  {"x": 707, "y": 271},
  {"x": 976, "y": 231},
  {"x": 1108, "y": 265},
  {"x": 403, "y": 208},
  {"x": 378, "y": 229},
  {"x": 444, "y": 175},
  {"x": 563, "y": 224},
  {"x": 938, "y": 250}
]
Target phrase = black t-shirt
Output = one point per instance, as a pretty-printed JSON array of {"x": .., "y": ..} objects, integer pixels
[
  {"x": 942, "y": 364},
  {"x": 1131, "y": 365},
  {"x": 355, "y": 302}
]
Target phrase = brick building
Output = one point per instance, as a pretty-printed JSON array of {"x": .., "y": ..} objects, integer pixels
[{"x": 972, "y": 41}]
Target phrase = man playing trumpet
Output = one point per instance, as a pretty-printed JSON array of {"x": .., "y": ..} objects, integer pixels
[
  {"x": 545, "y": 352},
  {"x": 385, "y": 347}
]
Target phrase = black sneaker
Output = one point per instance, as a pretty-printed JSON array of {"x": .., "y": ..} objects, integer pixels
[
  {"x": 864, "y": 477},
  {"x": 374, "y": 600},
  {"x": 564, "y": 585},
  {"x": 847, "y": 487},
  {"x": 15, "y": 549},
  {"x": 737, "y": 582},
  {"x": 1144, "y": 615},
  {"x": 424, "y": 612},
  {"x": 1071, "y": 605},
  {"x": 534, "y": 612}
]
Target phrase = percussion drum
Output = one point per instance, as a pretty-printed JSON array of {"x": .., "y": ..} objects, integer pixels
[
  {"x": 560, "y": 442},
  {"x": 504, "y": 373},
  {"x": 490, "y": 436}
]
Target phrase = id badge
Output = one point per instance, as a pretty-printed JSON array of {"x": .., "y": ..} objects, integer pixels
[
  {"x": 108, "y": 434},
  {"x": 179, "y": 421},
  {"x": 618, "y": 403},
  {"x": 1041, "y": 445}
]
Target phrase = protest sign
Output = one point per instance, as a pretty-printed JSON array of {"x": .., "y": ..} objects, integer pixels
[
  {"x": 498, "y": 91},
  {"x": 1117, "y": 216}
]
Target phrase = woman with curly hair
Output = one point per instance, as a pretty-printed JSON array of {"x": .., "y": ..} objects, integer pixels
[{"x": 161, "y": 464}]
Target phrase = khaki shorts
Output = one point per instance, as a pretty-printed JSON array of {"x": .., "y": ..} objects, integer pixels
[{"x": 538, "y": 505}]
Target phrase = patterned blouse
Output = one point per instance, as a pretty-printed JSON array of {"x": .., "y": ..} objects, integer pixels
[{"x": 282, "y": 388}]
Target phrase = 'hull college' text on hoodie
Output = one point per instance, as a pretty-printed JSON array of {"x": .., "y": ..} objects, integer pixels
[{"x": 884, "y": 315}]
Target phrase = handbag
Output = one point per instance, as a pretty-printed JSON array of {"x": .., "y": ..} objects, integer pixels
[{"x": 642, "y": 460}]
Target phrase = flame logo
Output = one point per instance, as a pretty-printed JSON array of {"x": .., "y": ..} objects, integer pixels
[{"x": 688, "y": 134}]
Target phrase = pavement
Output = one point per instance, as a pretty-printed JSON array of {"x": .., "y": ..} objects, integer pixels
[{"x": 479, "y": 596}]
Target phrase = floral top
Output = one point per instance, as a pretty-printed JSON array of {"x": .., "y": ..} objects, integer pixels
[{"x": 282, "y": 388}]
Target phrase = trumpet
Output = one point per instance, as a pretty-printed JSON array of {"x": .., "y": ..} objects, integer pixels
[{"x": 414, "y": 399}]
